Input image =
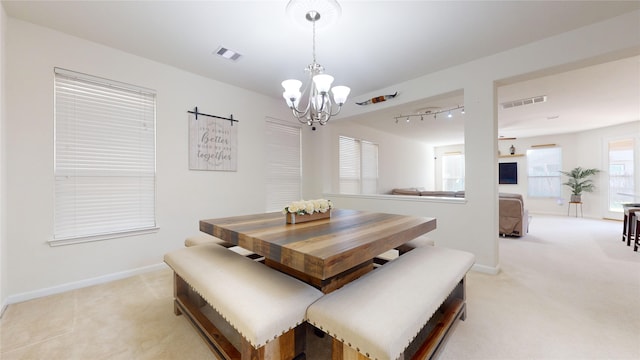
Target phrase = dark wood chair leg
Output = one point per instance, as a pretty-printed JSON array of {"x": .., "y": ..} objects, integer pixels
[
  {"x": 624, "y": 227},
  {"x": 630, "y": 221},
  {"x": 637, "y": 238}
]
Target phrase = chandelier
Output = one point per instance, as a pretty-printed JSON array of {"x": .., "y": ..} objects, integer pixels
[{"x": 314, "y": 104}]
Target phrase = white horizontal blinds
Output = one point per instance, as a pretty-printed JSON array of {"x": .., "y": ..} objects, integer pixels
[
  {"x": 349, "y": 165},
  {"x": 358, "y": 166},
  {"x": 284, "y": 174},
  {"x": 104, "y": 157},
  {"x": 369, "y": 167}
]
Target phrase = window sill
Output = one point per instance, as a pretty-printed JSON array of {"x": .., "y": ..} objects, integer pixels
[{"x": 91, "y": 238}]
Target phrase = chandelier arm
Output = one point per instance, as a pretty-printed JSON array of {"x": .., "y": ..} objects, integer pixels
[
  {"x": 301, "y": 113},
  {"x": 338, "y": 111}
]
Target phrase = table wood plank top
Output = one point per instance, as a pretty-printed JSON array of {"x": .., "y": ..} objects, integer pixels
[{"x": 322, "y": 248}]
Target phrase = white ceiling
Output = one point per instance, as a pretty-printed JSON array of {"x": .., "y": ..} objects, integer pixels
[{"x": 374, "y": 44}]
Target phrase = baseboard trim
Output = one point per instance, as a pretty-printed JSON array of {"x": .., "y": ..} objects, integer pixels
[
  {"x": 80, "y": 284},
  {"x": 491, "y": 270},
  {"x": 3, "y": 307}
]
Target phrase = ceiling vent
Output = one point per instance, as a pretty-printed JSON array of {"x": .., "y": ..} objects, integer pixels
[
  {"x": 522, "y": 102},
  {"x": 228, "y": 54}
]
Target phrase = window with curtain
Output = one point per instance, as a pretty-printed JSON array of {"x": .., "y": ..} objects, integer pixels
[
  {"x": 453, "y": 172},
  {"x": 284, "y": 172},
  {"x": 105, "y": 161},
  {"x": 543, "y": 171},
  {"x": 358, "y": 166}
]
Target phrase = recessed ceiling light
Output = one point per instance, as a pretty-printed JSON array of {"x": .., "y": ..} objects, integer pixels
[{"x": 227, "y": 54}]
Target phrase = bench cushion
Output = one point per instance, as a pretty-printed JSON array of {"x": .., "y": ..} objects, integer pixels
[
  {"x": 380, "y": 313},
  {"x": 259, "y": 302},
  {"x": 420, "y": 241},
  {"x": 202, "y": 238}
]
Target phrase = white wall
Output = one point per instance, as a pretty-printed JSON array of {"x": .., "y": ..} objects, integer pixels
[
  {"x": 3, "y": 192},
  {"x": 584, "y": 149},
  {"x": 474, "y": 227},
  {"x": 183, "y": 197},
  {"x": 401, "y": 162}
]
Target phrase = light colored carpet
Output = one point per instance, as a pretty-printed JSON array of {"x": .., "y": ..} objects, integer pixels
[{"x": 568, "y": 290}]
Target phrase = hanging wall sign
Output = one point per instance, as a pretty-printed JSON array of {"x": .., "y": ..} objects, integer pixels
[{"x": 213, "y": 142}]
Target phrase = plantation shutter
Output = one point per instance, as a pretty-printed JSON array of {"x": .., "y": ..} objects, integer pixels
[
  {"x": 104, "y": 158},
  {"x": 284, "y": 173}
]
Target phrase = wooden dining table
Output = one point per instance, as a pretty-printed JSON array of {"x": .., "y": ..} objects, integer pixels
[{"x": 325, "y": 253}]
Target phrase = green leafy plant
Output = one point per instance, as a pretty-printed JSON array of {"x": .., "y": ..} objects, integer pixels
[{"x": 579, "y": 180}]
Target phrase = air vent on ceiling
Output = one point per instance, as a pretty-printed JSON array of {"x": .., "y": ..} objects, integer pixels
[
  {"x": 227, "y": 54},
  {"x": 522, "y": 102}
]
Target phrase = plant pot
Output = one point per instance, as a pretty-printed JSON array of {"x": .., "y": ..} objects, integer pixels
[
  {"x": 296, "y": 219},
  {"x": 576, "y": 198}
]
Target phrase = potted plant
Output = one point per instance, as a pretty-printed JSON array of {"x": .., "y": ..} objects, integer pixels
[{"x": 579, "y": 181}]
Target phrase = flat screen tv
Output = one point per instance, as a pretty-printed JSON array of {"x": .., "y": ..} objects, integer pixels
[{"x": 508, "y": 173}]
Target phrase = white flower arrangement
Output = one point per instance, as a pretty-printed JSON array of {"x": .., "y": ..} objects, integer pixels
[{"x": 303, "y": 207}]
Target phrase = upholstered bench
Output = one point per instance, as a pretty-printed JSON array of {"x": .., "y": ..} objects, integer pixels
[
  {"x": 202, "y": 238},
  {"x": 263, "y": 305},
  {"x": 406, "y": 307},
  {"x": 420, "y": 241}
]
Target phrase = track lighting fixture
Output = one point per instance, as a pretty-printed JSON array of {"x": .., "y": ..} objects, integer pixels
[{"x": 435, "y": 114}]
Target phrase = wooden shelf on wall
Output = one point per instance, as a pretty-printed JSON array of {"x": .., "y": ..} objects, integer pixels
[{"x": 510, "y": 156}]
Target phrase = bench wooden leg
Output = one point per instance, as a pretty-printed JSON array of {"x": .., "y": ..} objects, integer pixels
[
  {"x": 180, "y": 289},
  {"x": 430, "y": 340},
  {"x": 284, "y": 347},
  {"x": 340, "y": 351}
]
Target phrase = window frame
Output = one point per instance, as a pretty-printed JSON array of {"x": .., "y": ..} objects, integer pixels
[
  {"x": 460, "y": 159},
  {"x": 360, "y": 178},
  {"x": 98, "y": 183},
  {"x": 548, "y": 175}
]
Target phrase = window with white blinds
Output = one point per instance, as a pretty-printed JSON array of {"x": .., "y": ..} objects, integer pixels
[
  {"x": 284, "y": 173},
  {"x": 358, "y": 166},
  {"x": 104, "y": 158},
  {"x": 543, "y": 170}
]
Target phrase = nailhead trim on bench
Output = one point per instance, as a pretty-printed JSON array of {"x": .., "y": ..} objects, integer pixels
[
  {"x": 347, "y": 314},
  {"x": 219, "y": 265}
]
